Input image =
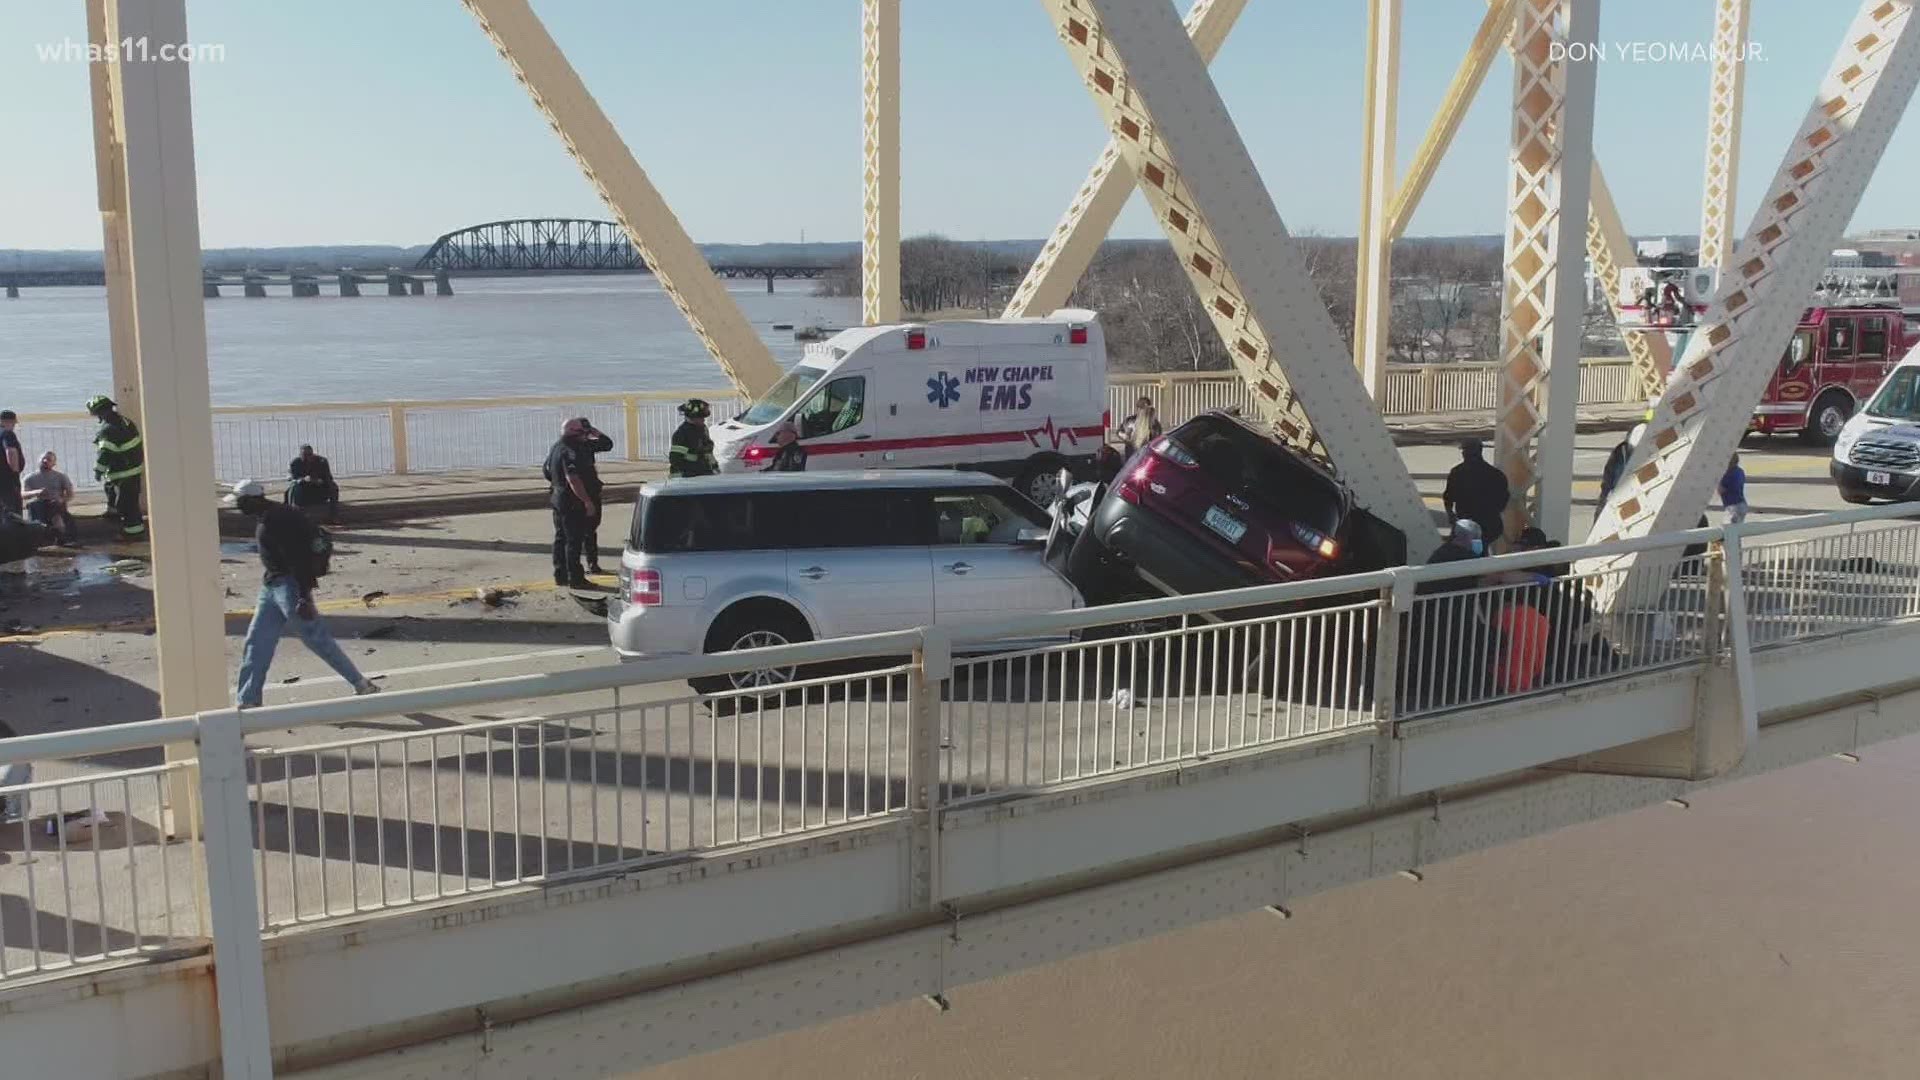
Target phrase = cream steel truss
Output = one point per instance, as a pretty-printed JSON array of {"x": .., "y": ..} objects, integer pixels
[
  {"x": 1730, "y": 357},
  {"x": 1173, "y": 130},
  {"x": 880, "y": 161},
  {"x": 1725, "y": 96},
  {"x": 1542, "y": 299},
  {"x": 1071, "y": 247},
  {"x": 1608, "y": 249},
  {"x": 1373, "y": 261},
  {"x": 657, "y": 235}
]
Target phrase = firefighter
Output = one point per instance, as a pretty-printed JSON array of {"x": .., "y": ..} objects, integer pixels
[
  {"x": 692, "y": 451},
  {"x": 120, "y": 464}
]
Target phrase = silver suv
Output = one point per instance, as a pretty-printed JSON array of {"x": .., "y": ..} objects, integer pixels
[{"x": 719, "y": 563}]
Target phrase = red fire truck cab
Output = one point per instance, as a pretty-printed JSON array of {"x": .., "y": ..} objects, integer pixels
[{"x": 1835, "y": 360}]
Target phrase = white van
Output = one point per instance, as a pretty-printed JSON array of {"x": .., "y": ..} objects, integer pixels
[
  {"x": 1877, "y": 454},
  {"x": 1017, "y": 398}
]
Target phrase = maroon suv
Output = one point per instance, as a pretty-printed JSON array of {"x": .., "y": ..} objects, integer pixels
[{"x": 1215, "y": 504}]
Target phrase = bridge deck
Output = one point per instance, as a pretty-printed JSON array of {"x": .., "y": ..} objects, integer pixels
[{"x": 555, "y": 808}]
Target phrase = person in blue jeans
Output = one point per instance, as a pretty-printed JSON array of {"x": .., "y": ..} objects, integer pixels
[{"x": 288, "y": 545}]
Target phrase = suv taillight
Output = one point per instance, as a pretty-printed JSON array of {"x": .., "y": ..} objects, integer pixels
[
  {"x": 1174, "y": 452},
  {"x": 755, "y": 453},
  {"x": 646, "y": 589},
  {"x": 1315, "y": 541}
]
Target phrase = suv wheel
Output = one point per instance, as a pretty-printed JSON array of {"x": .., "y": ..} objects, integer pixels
[
  {"x": 1824, "y": 421},
  {"x": 1039, "y": 479},
  {"x": 753, "y": 626}
]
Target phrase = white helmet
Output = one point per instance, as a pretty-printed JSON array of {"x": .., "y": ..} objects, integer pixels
[
  {"x": 245, "y": 489},
  {"x": 1633, "y": 437}
]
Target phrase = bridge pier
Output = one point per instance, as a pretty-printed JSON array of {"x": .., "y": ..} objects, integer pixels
[
  {"x": 349, "y": 285},
  {"x": 13, "y": 291},
  {"x": 305, "y": 286},
  {"x": 442, "y": 283},
  {"x": 416, "y": 286},
  {"x": 769, "y": 284},
  {"x": 209, "y": 290},
  {"x": 256, "y": 287},
  {"x": 396, "y": 285}
]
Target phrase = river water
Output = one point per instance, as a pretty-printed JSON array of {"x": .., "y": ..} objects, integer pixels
[{"x": 493, "y": 337}]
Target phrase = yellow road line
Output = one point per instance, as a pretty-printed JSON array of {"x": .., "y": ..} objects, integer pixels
[{"x": 335, "y": 606}]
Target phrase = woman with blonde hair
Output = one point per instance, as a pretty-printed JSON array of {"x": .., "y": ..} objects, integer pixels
[{"x": 1142, "y": 427}]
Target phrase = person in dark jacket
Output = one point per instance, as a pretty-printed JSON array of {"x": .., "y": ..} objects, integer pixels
[
  {"x": 13, "y": 463},
  {"x": 1446, "y": 649},
  {"x": 590, "y": 441},
  {"x": 789, "y": 455},
  {"x": 290, "y": 557},
  {"x": 1477, "y": 492},
  {"x": 120, "y": 464},
  {"x": 573, "y": 495},
  {"x": 692, "y": 451},
  {"x": 313, "y": 483},
  {"x": 1616, "y": 465}
]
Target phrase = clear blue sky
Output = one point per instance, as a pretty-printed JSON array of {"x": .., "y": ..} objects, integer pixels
[{"x": 392, "y": 121}]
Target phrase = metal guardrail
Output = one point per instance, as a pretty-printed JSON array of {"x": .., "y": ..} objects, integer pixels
[
  {"x": 401, "y": 437},
  {"x": 482, "y": 806},
  {"x": 1155, "y": 690},
  {"x": 1406, "y": 389},
  {"x": 619, "y": 767},
  {"x": 90, "y": 875},
  {"x": 1818, "y": 586}
]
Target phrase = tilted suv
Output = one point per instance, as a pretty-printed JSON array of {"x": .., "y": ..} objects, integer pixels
[
  {"x": 1216, "y": 504},
  {"x": 747, "y": 561}
]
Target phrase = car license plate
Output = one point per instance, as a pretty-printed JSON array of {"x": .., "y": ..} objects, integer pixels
[
  {"x": 1879, "y": 478},
  {"x": 1225, "y": 524}
]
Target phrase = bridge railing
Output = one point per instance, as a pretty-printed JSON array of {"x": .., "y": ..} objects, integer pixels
[
  {"x": 96, "y": 877},
  {"x": 605, "y": 769},
  {"x": 1834, "y": 582},
  {"x": 349, "y": 826},
  {"x": 402, "y": 437},
  {"x": 1406, "y": 389}
]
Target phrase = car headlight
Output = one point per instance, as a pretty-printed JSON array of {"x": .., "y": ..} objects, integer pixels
[{"x": 1849, "y": 435}]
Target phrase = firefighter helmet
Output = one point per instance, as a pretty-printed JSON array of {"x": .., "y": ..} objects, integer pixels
[
  {"x": 696, "y": 409},
  {"x": 100, "y": 403}
]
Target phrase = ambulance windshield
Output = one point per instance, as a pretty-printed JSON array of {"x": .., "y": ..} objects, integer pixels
[{"x": 778, "y": 400}]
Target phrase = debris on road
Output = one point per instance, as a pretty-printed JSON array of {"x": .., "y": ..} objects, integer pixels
[
  {"x": 368, "y": 598},
  {"x": 382, "y": 631},
  {"x": 493, "y": 597},
  {"x": 125, "y": 568}
]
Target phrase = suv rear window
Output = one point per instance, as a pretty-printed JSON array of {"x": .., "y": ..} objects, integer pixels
[
  {"x": 1263, "y": 472},
  {"x": 665, "y": 524}
]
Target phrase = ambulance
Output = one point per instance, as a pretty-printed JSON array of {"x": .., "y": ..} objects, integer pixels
[{"x": 1021, "y": 399}]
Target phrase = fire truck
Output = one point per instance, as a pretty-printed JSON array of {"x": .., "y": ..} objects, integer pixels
[{"x": 1839, "y": 353}]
